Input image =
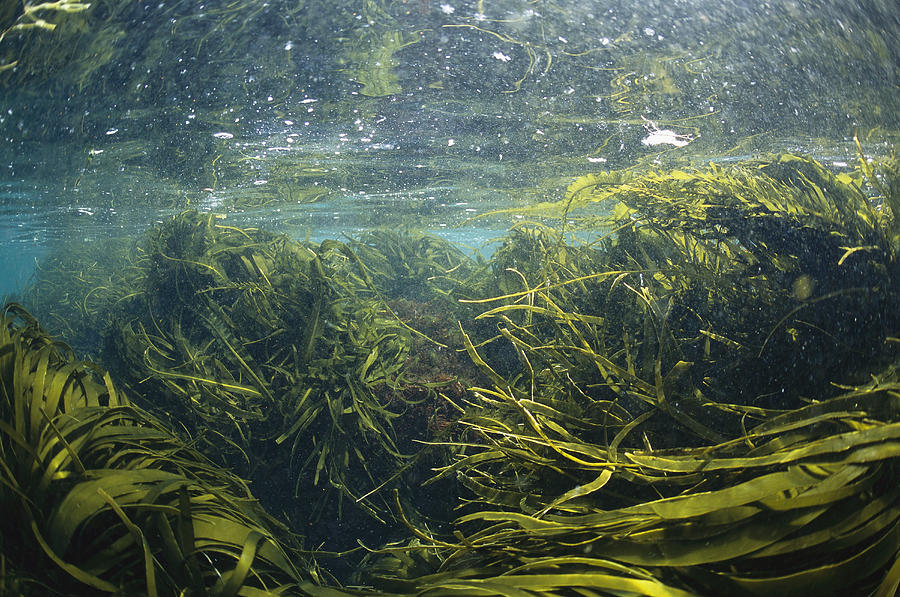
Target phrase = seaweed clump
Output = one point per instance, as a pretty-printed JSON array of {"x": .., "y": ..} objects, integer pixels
[
  {"x": 276, "y": 355},
  {"x": 702, "y": 401},
  {"x": 99, "y": 498}
]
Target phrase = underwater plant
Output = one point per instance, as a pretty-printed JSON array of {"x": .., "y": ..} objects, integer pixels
[
  {"x": 256, "y": 342},
  {"x": 637, "y": 445},
  {"x": 98, "y": 497}
]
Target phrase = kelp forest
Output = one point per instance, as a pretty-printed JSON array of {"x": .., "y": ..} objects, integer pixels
[
  {"x": 673, "y": 382},
  {"x": 494, "y": 298}
]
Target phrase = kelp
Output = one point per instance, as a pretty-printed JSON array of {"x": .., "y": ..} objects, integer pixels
[
  {"x": 804, "y": 501},
  {"x": 815, "y": 484},
  {"x": 415, "y": 266},
  {"x": 634, "y": 442},
  {"x": 98, "y": 497},
  {"x": 256, "y": 343},
  {"x": 286, "y": 361},
  {"x": 740, "y": 267},
  {"x": 689, "y": 386}
]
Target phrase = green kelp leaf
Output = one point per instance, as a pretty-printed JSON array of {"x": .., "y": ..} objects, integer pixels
[
  {"x": 827, "y": 578},
  {"x": 696, "y": 504},
  {"x": 501, "y": 497},
  {"x": 83, "y": 502},
  {"x": 479, "y": 362},
  {"x": 315, "y": 590},
  {"x": 580, "y": 491},
  {"x": 230, "y": 536},
  {"x": 837, "y": 482},
  {"x": 496, "y": 455},
  {"x": 583, "y": 563},
  {"x": 882, "y": 437},
  {"x": 527, "y": 585},
  {"x": 562, "y": 316},
  {"x": 40, "y": 401},
  {"x": 68, "y": 453},
  {"x": 721, "y": 544},
  {"x": 881, "y": 404},
  {"x": 113, "y": 398},
  {"x": 139, "y": 538},
  {"x": 68, "y": 384},
  {"x": 232, "y": 580},
  {"x": 370, "y": 360},
  {"x": 487, "y": 588},
  {"x": 73, "y": 570},
  {"x": 323, "y": 451},
  {"x": 675, "y": 508},
  {"x": 21, "y": 381},
  {"x": 526, "y": 522},
  {"x": 891, "y": 582},
  {"x": 848, "y": 524},
  {"x": 301, "y": 417},
  {"x": 215, "y": 383}
]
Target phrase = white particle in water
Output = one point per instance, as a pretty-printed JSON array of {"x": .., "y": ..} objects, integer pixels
[{"x": 666, "y": 137}]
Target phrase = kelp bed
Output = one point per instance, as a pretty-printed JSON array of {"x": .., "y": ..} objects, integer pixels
[{"x": 703, "y": 400}]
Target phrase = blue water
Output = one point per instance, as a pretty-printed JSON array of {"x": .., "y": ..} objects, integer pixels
[{"x": 23, "y": 237}]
